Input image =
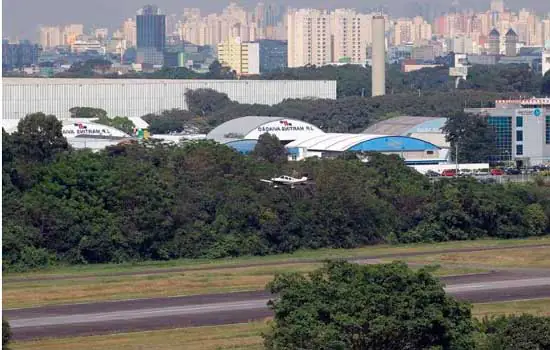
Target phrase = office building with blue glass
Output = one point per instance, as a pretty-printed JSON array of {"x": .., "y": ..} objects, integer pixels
[
  {"x": 151, "y": 35},
  {"x": 522, "y": 129},
  {"x": 273, "y": 55}
]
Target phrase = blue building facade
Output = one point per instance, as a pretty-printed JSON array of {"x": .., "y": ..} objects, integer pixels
[
  {"x": 22, "y": 54},
  {"x": 273, "y": 55},
  {"x": 151, "y": 35}
]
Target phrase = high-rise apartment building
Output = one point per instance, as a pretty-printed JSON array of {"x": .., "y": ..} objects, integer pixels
[
  {"x": 511, "y": 42},
  {"x": 50, "y": 37},
  {"x": 546, "y": 33},
  {"x": 413, "y": 31},
  {"x": 351, "y": 35},
  {"x": 129, "y": 32},
  {"x": 309, "y": 38},
  {"x": 151, "y": 35},
  {"x": 265, "y": 21},
  {"x": 19, "y": 55},
  {"x": 493, "y": 47},
  {"x": 71, "y": 33},
  {"x": 242, "y": 57}
]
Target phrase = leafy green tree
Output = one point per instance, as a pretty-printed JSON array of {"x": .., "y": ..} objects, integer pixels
[
  {"x": 524, "y": 332},
  {"x": 39, "y": 137},
  {"x": 120, "y": 123},
  {"x": 176, "y": 120},
  {"x": 6, "y": 333},
  {"x": 202, "y": 102},
  {"x": 535, "y": 219},
  {"x": 87, "y": 112},
  {"x": 503, "y": 78},
  {"x": 349, "y": 306},
  {"x": 270, "y": 149},
  {"x": 473, "y": 135},
  {"x": 217, "y": 71}
]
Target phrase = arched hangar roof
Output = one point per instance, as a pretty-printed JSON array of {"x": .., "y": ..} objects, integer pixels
[
  {"x": 251, "y": 127},
  {"x": 363, "y": 142},
  {"x": 406, "y": 125}
]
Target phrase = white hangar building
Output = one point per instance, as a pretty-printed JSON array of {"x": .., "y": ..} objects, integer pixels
[
  {"x": 137, "y": 97},
  {"x": 87, "y": 134},
  {"x": 251, "y": 127}
]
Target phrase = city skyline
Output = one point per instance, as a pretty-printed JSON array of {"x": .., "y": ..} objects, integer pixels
[{"x": 23, "y": 24}]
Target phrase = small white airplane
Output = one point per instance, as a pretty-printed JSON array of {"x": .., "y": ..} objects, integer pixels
[{"x": 286, "y": 180}]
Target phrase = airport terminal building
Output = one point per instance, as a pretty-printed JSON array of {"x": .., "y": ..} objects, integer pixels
[{"x": 522, "y": 128}]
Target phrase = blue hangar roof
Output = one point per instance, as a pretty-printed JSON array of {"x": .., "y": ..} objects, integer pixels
[
  {"x": 242, "y": 146},
  {"x": 363, "y": 142}
]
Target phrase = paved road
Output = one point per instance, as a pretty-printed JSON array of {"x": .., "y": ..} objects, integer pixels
[
  {"x": 270, "y": 263},
  {"x": 147, "y": 314}
]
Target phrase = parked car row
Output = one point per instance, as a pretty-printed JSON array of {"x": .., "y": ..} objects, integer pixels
[{"x": 469, "y": 172}]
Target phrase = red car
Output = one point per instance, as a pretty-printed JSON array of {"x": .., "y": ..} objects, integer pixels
[
  {"x": 448, "y": 172},
  {"x": 497, "y": 172}
]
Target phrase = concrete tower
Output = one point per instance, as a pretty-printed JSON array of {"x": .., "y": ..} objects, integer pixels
[
  {"x": 494, "y": 42},
  {"x": 511, "y": 43},
  {"x": 378, "y": 56}
]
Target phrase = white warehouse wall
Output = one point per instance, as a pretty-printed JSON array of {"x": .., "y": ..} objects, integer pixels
[{"x": 137, "y": 97}]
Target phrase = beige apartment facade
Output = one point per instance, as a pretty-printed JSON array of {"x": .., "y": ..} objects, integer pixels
[
  {"x": 242, "y": 57},
  {"x": 309, "y": 38}
]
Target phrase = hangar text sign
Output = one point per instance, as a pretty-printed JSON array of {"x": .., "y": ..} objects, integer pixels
[
  {"x": 89, "y": 129},
  {"x": 288, "y": 130}
]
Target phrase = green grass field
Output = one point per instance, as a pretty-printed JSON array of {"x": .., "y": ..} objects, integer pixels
[
  {"x": 49, "y": 292},
  {"x": 240, "y": 336},
  {"x": 509, "y": 258},
  {"x": 145, "y": 267},
  {"x": 97, "y": 283}
]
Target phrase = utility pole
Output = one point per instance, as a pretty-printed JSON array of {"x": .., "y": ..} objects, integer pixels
[{"x": 456, "y": 155}]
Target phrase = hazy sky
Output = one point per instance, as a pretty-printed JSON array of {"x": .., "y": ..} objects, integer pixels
[{"x": 22, "y": 18}]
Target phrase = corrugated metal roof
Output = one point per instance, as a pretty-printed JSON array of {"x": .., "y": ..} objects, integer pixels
[
  {"x": 332, "y": 142},
  {"x": 139, "y": 123},
  {"x": 138, "y": 97},
  {"x": 437, "y": 139},
  {"x": 238, "y": 128},
  {"x": 398, "y": 125}
]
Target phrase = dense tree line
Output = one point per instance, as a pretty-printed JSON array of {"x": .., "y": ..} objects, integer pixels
[
  {"x": 208, "y": 108},
  {"x": 388, "y": 306},
  {"x": 155, "y": 201},
  {"x": 353, "y": 80}
]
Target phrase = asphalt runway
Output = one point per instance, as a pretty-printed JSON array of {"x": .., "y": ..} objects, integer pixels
[
  {"x": 216, "y": 309},
  {"x": 286, "y": 262}
]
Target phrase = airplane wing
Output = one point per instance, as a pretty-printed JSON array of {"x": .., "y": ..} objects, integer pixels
[{"x": 268, "y": 181}]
